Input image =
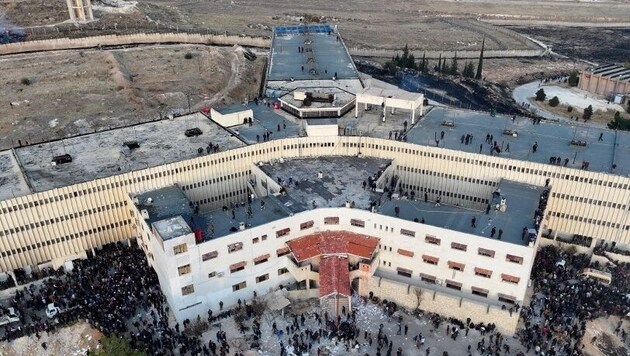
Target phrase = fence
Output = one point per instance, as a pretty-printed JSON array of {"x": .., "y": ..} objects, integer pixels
[
  {"x": 389, "y": 53},
  {"x": 134, "y": 39}
]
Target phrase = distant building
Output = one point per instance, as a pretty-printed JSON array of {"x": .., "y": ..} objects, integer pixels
[{"x": 608, "y": 80}]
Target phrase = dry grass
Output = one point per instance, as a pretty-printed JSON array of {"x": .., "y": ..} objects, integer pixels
[
  {"x": 599, "y": 116},
  {"x": 77, "y": 92}
]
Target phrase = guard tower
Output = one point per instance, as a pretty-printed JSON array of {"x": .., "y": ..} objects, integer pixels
[{"x": 80, "y": 10}]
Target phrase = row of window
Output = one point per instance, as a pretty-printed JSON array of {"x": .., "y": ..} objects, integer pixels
[
  {"x": 456, "y": 246},
  {"x": 189, "y": 289},
  {"x": 589, "y": 201},
  {"x": 65, "y": 238},
  {"x": 446, "y": 176},
  {"x": 215, "y": 180},
  {"x": 214, "y": 254},
  {"x": 454, "y": 284},
  {"x": 587, "y": 220},
  {"x": 220, "y": 197},
  {"x": 445, "y": 193},
  {"x": 62, "y": 218}
]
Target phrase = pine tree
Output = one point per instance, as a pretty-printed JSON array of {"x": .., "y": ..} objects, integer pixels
[
  {"x": 439, "y": 65},
  {"x": 541, "y": 95},
  {"x": 423, "y": 68},
  {"x": 411, "y": 62},
  {"x": 480, "y": 64},
  {"x": 453, "y": 68},
  {"x": 426, "y": 66},
  {"x": 588, "y": 113},
  {"x": 574, "y": 78},
  {"x": 443, "y": 69},
  {"x": 469, "y": 70}
]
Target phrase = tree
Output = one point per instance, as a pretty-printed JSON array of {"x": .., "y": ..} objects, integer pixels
[
  {"x": 115, "y": 346},
  {"x": 480, "y": 64},
  {"x": 453, "y": 69},
  {"x": 619, "y": 123},
  {"x": 439, "y": 65},
  {"x": 628, "y": 106},
  {"x": 574, "y": 78},
  {"x": 423, "y": 67},
  {"x": 588, "y": 113},
  {"x": 411, "y": 62},
  {"x": 390, "y": 67},
  {"x": 469, "y": 70},
  {"x": 25, "y": 81},
  {"x": 553, "y": 102},
  {"x": 443, "y": 69},
  {"x": 540, "y": 95},
  {"x": 418, "y": 293}
]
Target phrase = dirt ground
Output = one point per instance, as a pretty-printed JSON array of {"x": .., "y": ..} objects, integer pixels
[
  {"x": 73, "y": 340},
  {"x": 75, "y": 92},
  {"x": 423, "y": 24},
  {"x": 607, "y": 343},
  {"x": 599, "y": 45}
]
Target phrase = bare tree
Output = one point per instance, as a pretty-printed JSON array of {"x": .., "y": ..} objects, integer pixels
[{"x": 419, "y": 296}]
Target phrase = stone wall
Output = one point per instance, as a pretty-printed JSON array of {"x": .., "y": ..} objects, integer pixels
[
  {"x": 140, "y": 38},
  {"x": 443, "y": 304},
  {"x": 388, "y": 53}
]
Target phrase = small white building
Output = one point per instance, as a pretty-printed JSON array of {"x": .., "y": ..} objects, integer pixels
[
  {"x": 392, "y": 99},
  {"x": 231, "y": 115},
  {"x": 321, "y": 127}
]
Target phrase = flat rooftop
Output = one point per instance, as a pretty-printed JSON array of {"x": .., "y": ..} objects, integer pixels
[
  {"x": 324, "y": 54},
  {"x": 103, "y": 154},
  {"x": 230, "y": 109},
  {"x": 521, "y": 200},
  {"x": 267, "y": 120},
  {"x": 12, "y": 181},
  {"x": 340, "y": 98},
  {"x": 341, "y": 181},
  {"x": 169, "y": 202},
  {"x": 554, "y": 139}
]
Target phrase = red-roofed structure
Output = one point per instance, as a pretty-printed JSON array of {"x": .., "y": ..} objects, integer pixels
[
  {"x": 333, "y": 242},
  {"x": 334, "y": 276}
]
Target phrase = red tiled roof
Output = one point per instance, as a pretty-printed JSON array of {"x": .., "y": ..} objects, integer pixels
[
  {"x": 333, "y": 242},
  {"x": 334, "y": 276}
]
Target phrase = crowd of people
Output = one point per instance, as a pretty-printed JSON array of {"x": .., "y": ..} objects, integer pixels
[{"x": 555, "y": 321}]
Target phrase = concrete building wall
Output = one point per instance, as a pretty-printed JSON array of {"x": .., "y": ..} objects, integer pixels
[
  {"x": 447, "y": 305},
  {"x": 210, "y": 289},
  {"x": 231, "y": 119},
  {"x": 66, "y": 221},
  {"x": 602, "y": 85}
]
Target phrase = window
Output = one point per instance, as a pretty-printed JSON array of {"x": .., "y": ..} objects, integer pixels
[
  {"x": 182, "y": 270},
  {"x": 458, "y": 246},
  {"x": 485, "y": 252},
  {"x": 255, "y": 240},
  {"x": 180, "y": 249},
  {"x": 209, "y": 255},
  {"x": 212, "y": 274},
  {"x": 405, "y": 252},
  {"x": 432, "y": 240},
  {"x": 282, "y": 271},
  {"x": 282, "y": 251},
  {"x": 479, "y": 291},
  {"x": 237, "y": 246},
  {"x": 427, "y": 278},
  {"x": 307, "y": 225},
  {"x": 239, "y": 266},
  {"x": 509, "y": 278},
  {"x": 262, "y": 278},
  {"x": 404, "y": 272},
  {"x": 263, "y": 238},
  {"x": 331, "y": 220},
  {"x": 507, "y": 298},
  {"x": 453, "y": 285},
  {"x": 514, "y": 259},
  {"x": 239, "y": 286},
  {"x": 456, "y": 265},
  {"x": 283, "y": 232},
  {"x": 189, "y": 289},
  {"x": 261, "y": 259},
  {"x": 430, "y": 259},
  {"x": 483, "y": 272},
  {"x": 407, "y": 233},
  {"x": 357, "y": 222}
]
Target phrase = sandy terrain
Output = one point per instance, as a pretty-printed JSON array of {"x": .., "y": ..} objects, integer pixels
[
  {"x": 606, "y": 343},
  {"x": 76, "y": 92},
  {"x": 73, "y": 340}
]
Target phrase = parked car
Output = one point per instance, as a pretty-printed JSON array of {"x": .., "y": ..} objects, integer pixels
[{"x": 52, "y": 310}]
